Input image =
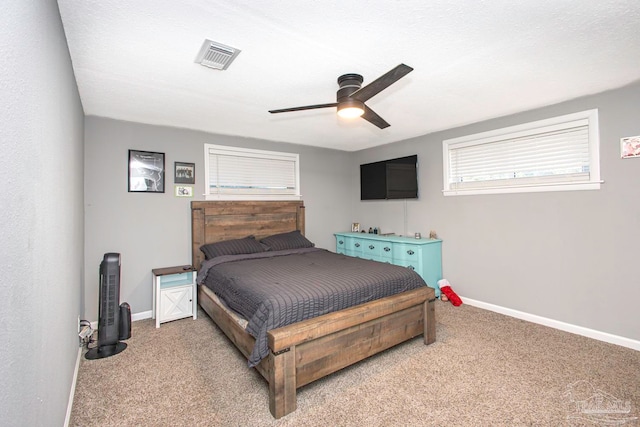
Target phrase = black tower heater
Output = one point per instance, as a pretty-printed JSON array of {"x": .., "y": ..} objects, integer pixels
[{"x": 114, "y": 320}]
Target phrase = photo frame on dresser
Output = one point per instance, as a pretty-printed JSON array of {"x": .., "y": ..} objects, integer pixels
[{"x": 146, "y": 172}]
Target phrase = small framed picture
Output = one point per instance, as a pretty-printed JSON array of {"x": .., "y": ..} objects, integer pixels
[
  {"x": 630, "y": 147},
  {"x": 185, "y": 173},
  {"x": 184, "y": 191},
  {"x": 355, "y": 227},
  {"x": 146, "y": 172}
]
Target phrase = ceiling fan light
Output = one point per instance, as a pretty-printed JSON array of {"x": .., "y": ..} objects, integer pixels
[
  {"x": 350, "y": 109},
  {"x": 350, "y": 112}
]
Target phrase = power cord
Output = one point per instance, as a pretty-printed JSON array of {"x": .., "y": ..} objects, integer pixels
[{"x": 91, "y": 341}]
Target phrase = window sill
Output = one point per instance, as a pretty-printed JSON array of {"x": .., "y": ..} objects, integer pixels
[
  {"x": 251, "y": 197},
  {"x": 525, "y": 189}
]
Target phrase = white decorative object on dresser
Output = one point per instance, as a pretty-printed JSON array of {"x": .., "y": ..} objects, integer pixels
[
  {"x": 424, "y": 256},
  {"x": 174, "y": 293}
]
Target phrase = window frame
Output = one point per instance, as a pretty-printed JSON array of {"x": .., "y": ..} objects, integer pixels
[
  {"x": 250, "y": 153},
  {"x": 519, "y": 131}
]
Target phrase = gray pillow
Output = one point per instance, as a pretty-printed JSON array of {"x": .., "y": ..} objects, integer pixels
[
  {"x": 290, "y": 240},
  {"x": 248, "y": 245}
]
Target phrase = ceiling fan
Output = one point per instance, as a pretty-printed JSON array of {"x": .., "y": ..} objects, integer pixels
[{"x": 351, "y": 97}]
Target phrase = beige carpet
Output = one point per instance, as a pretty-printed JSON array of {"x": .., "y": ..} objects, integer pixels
[{"x": 485, "y": 369}]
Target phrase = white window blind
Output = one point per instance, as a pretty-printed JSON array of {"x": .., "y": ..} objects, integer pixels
[
  {"x": 549, "y": 155},
  {"x": 245, "y": 174}
]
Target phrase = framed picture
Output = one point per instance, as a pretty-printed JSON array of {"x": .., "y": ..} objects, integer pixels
[
  {"x": 185, "y": 173},
  {"x": 355, "y": 227},
  {"x": 184, "y": 191},
  {"x": 630, "y": 147},
  {"x": 146, "y": 172}
]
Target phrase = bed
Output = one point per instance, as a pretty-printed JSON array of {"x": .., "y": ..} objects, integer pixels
[{"x": 307, "y": 350}]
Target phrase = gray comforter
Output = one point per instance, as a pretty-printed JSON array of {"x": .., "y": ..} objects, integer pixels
[{"x": 274, "y": 289}]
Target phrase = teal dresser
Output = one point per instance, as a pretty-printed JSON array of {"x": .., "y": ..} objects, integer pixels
[{"x": 424, "y": 256}]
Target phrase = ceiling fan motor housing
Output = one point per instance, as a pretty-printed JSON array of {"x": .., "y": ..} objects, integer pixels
[{"x": 348, "y": 83}]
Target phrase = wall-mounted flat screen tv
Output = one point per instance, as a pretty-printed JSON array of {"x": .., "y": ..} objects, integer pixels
[{"x": 389, "y": 179}]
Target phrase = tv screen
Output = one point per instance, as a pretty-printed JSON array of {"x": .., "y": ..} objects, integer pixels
[{"x": 389, "y": 179}]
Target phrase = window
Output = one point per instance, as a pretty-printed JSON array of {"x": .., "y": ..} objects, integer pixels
[
  {"x": 234, "y": 173},
  {"x": 556, "y": 154}
]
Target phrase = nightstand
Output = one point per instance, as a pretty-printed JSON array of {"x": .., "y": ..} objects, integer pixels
[{"x": 174, "y": 293}]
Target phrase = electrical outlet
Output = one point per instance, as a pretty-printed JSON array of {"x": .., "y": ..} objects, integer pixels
[{"x": 85, "y": 335}]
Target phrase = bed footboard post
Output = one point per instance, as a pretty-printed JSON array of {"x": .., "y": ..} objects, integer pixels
[
  {"x": 282, "y": 382},
  {"x": 429, "y": 321}
]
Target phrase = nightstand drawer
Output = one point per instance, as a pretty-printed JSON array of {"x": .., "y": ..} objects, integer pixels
[
  {"x": 176, "y": 303},
  {"x": 176, "y": 279}
]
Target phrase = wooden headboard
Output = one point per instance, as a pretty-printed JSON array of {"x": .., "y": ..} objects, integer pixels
[{"x": 225, "y": 220}]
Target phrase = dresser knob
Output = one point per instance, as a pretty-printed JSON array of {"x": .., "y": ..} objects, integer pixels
[
  {"x": 411, "y": 267},
  {"x": 410, "y": 252},
  {"x": 372, "y": 247},
  {"x": 340, "y": 242},
  {"x": 357, "y": 245},
  {"x": 387, "y": 249}
]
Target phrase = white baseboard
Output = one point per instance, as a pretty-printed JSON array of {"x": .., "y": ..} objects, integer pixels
[
  {"x": 72, "y": 393},
  {"x": 556, "y": 324},
  {"x": 135, "y": 316},
  {"x": 141, "y": 316}
]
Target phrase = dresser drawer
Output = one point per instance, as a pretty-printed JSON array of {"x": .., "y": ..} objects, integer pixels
[
  {"x": 341, "y": 244},
  {"x": 386, "y": 251},
  {"x": 354, "y": 246},
  {"x": 411, "y": 265},
  {"x": 403, "y": 252},
  {"x": 371, "y": 249}
]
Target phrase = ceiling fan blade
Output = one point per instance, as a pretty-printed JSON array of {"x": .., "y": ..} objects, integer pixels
[
  {"x": 381, "y": 83},
  {"x": 371, "y": 116},
  {"x": 307, "y": 107}
]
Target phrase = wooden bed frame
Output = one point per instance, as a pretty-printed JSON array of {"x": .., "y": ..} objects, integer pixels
[{"x": 305, "y": 351}]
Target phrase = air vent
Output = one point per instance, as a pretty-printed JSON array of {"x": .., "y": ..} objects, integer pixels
[{"x": 216, "y": 55}]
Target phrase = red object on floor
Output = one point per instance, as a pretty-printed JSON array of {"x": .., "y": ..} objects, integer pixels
[{"x": 453, "y": 297}]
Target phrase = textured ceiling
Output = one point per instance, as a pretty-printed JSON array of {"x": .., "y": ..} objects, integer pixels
[{"x": 473, "y": 60}]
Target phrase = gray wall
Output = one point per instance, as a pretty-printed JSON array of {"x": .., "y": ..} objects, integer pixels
[
  {"x": 154, "y": 230},
  {"x": 41, "y": 173},
  {"x": 566, "y": 256}
]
